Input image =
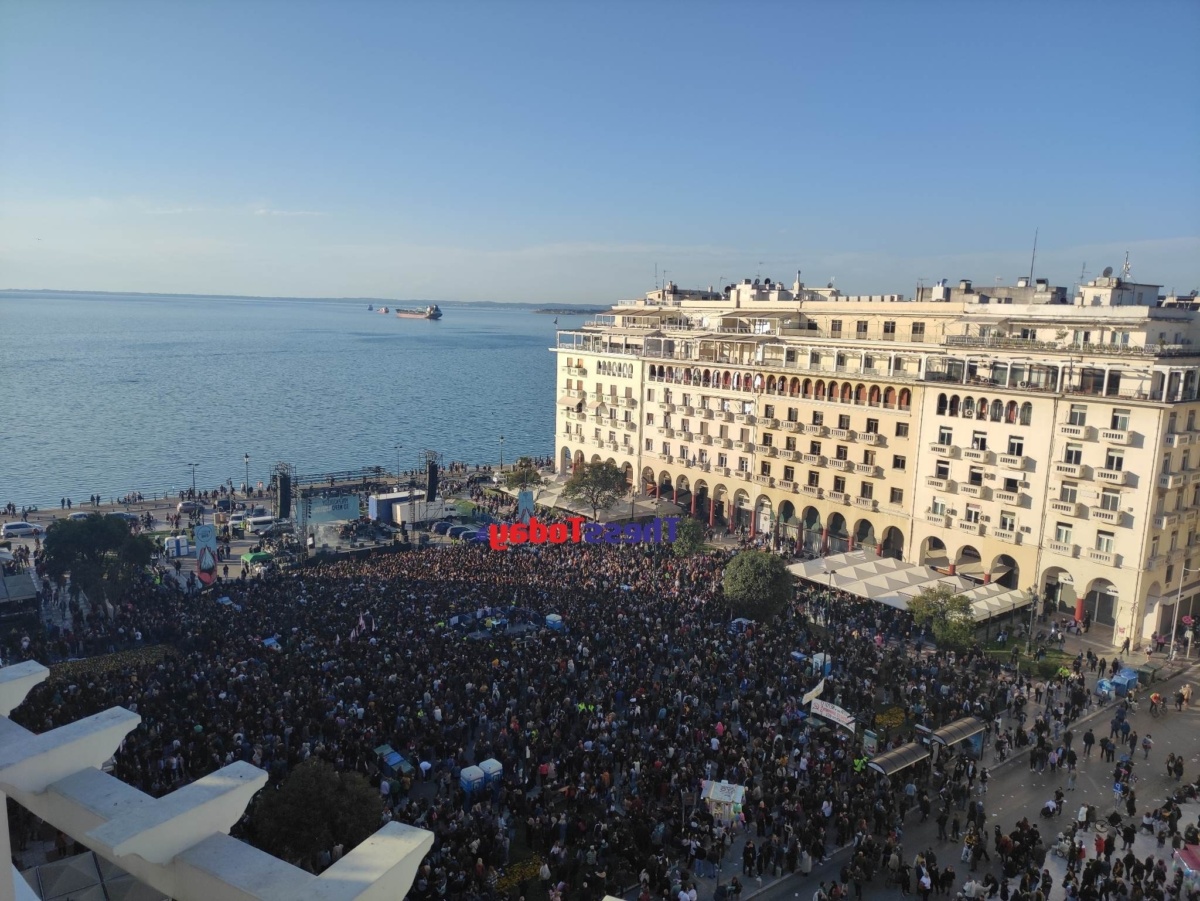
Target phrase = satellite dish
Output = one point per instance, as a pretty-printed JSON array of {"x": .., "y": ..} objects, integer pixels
[{"x": 1108, "y": 271}]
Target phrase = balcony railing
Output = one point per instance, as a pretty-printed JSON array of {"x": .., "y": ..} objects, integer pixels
[
  {"x": 1071, "y": 470},
  {"x": 839, "y": 497},
  {"x": 868, "y": 469},
  {"x": 1178, "y": 439},
  {"x": 1114, "y": 517},
  {"x": 870, "y": 438},
  {"x": 937, "y": 519},
  {"x": 1170, "y": 480},
  {"x": 1083, "y": 432},
  {"x": 812, "y": 429},
  {"x": 841, "y": 434},
  {"x": 1058, "y": 547},
  {"x": 843, "y": 465},
  {"x": 764, "y": 480},
  {"x": 1013, "y": 461},
  {"x": 787, "y": 485},
  {"x": 793, "y": 426},
  {"x": 943, "y": 450},
  {"x": 1066, "y": 508},
  {"x": 979, "y": 456},
  {"x": 1009, "y": 535},
  {"x": 975, "y": 528},
  {"x": 1107, "y": 558},
  {"x": 867, "y": 503},
  {"x": 1111, "y": 476},
  {"x": 1115, "y": 436},
  {"x": 812, "y": 490},
  {"x": 979, "y": 491},
  {"x": 814, "y": 459},
  {"x": 940, "y": 484}
]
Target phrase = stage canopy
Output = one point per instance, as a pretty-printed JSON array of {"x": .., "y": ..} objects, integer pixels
[{"x": 893, "y": 582}]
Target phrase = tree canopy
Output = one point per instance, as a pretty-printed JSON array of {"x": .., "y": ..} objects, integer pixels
[
  {"x": 948, "y": 615},
  {"x": 100, "y": 553},
  {"x": 757, "y": 585},
  {"x": 315, "y": 808},
  {"x": 524, "y": 475},
  {"x": 689, "y": 536},
  {"x": 599, "y": 485}
]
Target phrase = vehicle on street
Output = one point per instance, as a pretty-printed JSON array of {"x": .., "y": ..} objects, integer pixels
[
  {"x": 21, "y": 530},
  {"x": 190, "y": 507}
]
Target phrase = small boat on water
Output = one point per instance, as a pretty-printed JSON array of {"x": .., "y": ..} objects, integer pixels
[
  {"x": 383, "y": 310},
  {"x": 370, "y": 307},
  {"x": 430, "y": 312}
]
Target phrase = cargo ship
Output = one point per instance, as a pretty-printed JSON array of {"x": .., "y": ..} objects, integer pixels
[{"x": 430, "y": 312}]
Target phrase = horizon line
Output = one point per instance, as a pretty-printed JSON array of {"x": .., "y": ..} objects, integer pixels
[{"x": 555, "y": 305}]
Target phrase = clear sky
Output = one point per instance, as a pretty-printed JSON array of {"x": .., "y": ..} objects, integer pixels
[{"x": 555, "y": 151}]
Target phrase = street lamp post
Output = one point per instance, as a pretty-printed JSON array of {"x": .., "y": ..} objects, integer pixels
[
  {"x": 398, "y": 448},
  {"x": 1183, "y": 571},
  {"x": 1033, "y": 599},
  {"x": 246, "y": 460},
  {"x": 502, "y": 453},
  {"x": 194, "y": 466}
]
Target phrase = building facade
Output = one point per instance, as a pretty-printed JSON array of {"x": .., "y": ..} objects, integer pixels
[{"x": 1038, "y": 436}]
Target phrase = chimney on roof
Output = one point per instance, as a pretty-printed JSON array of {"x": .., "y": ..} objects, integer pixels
[{"x": 965, "y": 285}]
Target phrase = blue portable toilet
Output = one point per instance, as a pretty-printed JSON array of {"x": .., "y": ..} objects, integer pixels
[
  {"x": 555, "y": 622},
  {"x": 493, "y": 771},
  {"x": 1104, "y": 689},
  {"x": 471, "y": 779}
]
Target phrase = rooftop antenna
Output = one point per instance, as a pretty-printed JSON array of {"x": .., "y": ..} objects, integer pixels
[
  {"x": 920, "y": 287},
  {"x": 1033, "y": 259},
  {"x": 1125, "y": 268},
  {"x": 760, "y": 265},
  {"x": 656, "y": 276},
  {"x": 664, "y": 278}
]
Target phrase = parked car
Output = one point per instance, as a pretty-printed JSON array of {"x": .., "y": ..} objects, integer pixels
[
  {"x": 78, "y": 515},
  {"x": 441, "y": 528},
  {"x": 457, "y": 531},
  {"x": 21, "y": 530},
  {"x": 190, "y": 507}
]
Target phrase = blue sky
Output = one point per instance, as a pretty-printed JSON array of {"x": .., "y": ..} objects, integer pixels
[{"x": 556, "y": 151}]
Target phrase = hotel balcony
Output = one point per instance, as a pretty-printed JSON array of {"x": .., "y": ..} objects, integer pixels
[
  {"x": 943, "y": 450},
  {"x": 706, "y": 439},
  {"x": 1070, "y": 470},
  {"x": 1111, "y": 476},
  {"x": 1113, "y": 517},
  {"x": 1115, "y": 436},
  {"x": 1067, "y": 508},
  {"x": 874, "y": 438},
  {"x": 629, "y": 403},
  {"x": 793, "y": 426},
  {"x": 1105, "y": 557},
  {"x": 979, "y": 456},
  {"x": 770, "y": 423},
  {"x": 1193, "y": 477},
  {"x": 667, "y": 407},
  {"x": 670, "y": 433},
  {"x": 1010, "y": 497},
  {"x": 786, "y": 485},
  {"x": 841, "y": 434},
  {"x": 791, "y": 455},
  {"x": 723, "y": 442},
  {"x": 631, "y": 426},
  {"x": 687, "y": 436},
  {"x": 1009, "y": 535},
  {"x": 813, "y": 459},
  {"x": 867, "y": 503},
  {"x": 767, "y": 450},
  {"x": 705, "y": 413},
  {"x": 1170, "y": 480},
  {"x": 1067, "y": 550},
  {"x": 812, "y": 490},
  {"x": 765, "y": 480},
  {"x": 689, "y": 411},
  {"x": 1084, "y": 432},
  {"x": 741, "y": 445},
  {"x": 1013, "y": 461},
  {"x": 744, "y": 418},
  {"x": 843, "y": 465},
  {"x": 839, "y": 497},
  {"x": 947, "y": 485},
  {"x": 937, "y": 519},
  {"x": 818, "y": 430},
  {"x": 978, "y": 491},
  {"x": 1166, "y": 520},
  {"x": 574, "y": 370},
  {"x": 868, "y": 469},
  {"x": 974, "y": 528},
  {"x": 1178, "y": 439},
  {"x": 725, "y": 415}
]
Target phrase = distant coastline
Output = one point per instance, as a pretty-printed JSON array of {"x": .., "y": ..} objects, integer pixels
[
  {"x": 572, "y": 311},
  {"x": 390, "y": 301}
]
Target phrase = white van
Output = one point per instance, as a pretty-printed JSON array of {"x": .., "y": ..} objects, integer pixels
[{"x": 257, "y": 524}]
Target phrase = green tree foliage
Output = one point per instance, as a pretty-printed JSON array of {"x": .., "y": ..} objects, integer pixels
[
  {"x": 689, "y": 536},
  {"x": 757, "y": 585},
  {"x": 99, "y": 553},
  {"x": 315, "y": 808},
  {"x": 948, "y": 615},
  {"x": 524, "y": 475},
  {"x": 598, "y": 485}
]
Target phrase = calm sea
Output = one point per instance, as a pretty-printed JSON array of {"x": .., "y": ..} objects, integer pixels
[{"x": 110, "y": 394}]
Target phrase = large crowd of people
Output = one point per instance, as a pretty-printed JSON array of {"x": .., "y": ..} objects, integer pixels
[{"x": 605, "y": 730}]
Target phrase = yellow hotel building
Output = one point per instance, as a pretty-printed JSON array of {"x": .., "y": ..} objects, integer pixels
[{"x": 1030, "y": 435}]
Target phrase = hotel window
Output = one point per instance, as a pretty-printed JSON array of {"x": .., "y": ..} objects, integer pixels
[
  {"x": 979, "y": 441},
  {"x": 897, "y": 496},
  {"x": 686, "y": 426},
  {"x": 1114, "y": 460},
  {"x": 764, "y": 469},
  {"x": 793, "y": 415},
  {"x": 902, "y": 430},
  {"x": 945, "y": 436},
  {"x": 973, "y": 512},
  {"x": 1016, "y": 446},
  {"x": 650, "y": 394},
  {"x": 839, "y": 484},
  {"x": 743, "y": 464},
  {"x": 1105, "y": 541},
  {"x": 666, "y": 448},
  {"x": 1068, "y": 493},
  {"x": 1073, "y": 454},
  {"x": 818, "y": 418},
  {"x": 1078, "y": 415},
  {"x": 860, "y": 328},
  {"x": 899, "y": 462},
  {"x": 1170, "y": 573},
  {"x": 842, "y": 452},
  {"x": 814, "y": 447},
  {"x": 789, "y": 473},
  {"x": 767, "y": 439},
  {"x": 1110, "y": 500},
  {"x": 869, "y": 457},
  {"x": 938, "y": 507},
  {"x": 703, "y": 455},
  {"x": 769, "y": 411},
  {"x": 1191, "y": 421},
  {"x": 1008, "y": 521},
  {"x": 744, "y": 435},
  {"x": 889, "y": 331},
  {"x": 866, "y": 490},
  {"x": 975, "y": 475},
  {"x": 1062, "y": 532},
  {"x": 1186, "y": 463},
  {"x": 1171, "y": 421},
  {"x": 1154, "y": 546},
  {"x": 1012, "y": 485},
  {"x": 943, "y": 469},
  {"x": 789, "y": 444},
  {"x": 649, "y": 419},
  {"x": 844, "y": 421},
  {"x": 650, "y": 445},
  {"x": 918, "y": 332},
  {"x": 1196, "y": 496},
  {"x": 1174, "y": 539},
  {"x": 814, "y": 479},
  {"x": 835, "y": 328},
  {"x": 723, "y": 460},
  {"x": 1166, "y": 462},
  {"x": 1120, "y": 420}
]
